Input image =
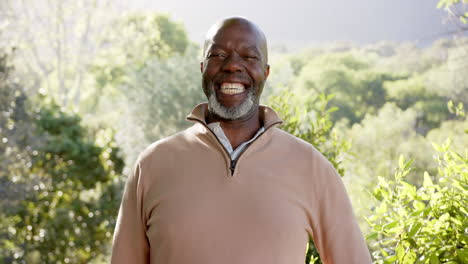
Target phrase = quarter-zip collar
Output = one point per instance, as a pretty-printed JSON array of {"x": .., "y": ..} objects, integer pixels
[{"x": 268, "y": 118}]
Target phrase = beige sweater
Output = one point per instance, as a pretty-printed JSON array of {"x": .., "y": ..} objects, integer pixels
[{"x": 183, "y": 204}]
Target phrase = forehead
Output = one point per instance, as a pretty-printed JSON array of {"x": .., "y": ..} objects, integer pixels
[{"x": 238, "y": 34}]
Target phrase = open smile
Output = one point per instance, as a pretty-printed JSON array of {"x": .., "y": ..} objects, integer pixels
[{"x": 231, "y": 88}]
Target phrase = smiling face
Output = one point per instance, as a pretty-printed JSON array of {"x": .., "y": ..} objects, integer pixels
[{"x": 234, "y": 68}]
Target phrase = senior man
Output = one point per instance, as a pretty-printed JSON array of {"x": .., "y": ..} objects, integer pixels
[{"x": 234, "y": 188}]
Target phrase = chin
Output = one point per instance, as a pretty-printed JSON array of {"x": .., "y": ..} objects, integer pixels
[{"x": 232, "y": 113}]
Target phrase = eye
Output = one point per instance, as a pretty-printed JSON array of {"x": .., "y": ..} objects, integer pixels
[
  {"x": 217, "y": 55},
  {"x": 251, "y": 57}
]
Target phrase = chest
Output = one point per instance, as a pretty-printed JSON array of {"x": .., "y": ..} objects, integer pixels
[{"x": 256, "y": 212}]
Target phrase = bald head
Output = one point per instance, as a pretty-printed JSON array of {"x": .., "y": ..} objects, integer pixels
[{"x": 239, "y": 23}]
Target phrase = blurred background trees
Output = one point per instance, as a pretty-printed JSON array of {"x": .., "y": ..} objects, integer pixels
[
  {"x": 59, "y": 182},
  {"x": 86, "y": 85}
]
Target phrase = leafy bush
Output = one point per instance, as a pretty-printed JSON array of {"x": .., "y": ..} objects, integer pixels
[{"x": 425, "y": 224}]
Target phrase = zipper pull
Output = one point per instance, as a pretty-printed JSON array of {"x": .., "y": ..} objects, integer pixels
[{"x": 233, "y": 166}]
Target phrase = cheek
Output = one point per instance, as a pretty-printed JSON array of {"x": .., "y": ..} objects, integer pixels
[
  {"x": 258, "y": 74},
  {"x": 210, "y": 69}
]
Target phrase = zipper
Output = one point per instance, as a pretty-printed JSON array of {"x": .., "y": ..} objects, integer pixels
[{"x": 232, "y": 163}]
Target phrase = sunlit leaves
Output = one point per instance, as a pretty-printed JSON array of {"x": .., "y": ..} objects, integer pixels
[
  {"x": 450, "y": 6},
  {"x": 425, "y": 224}
]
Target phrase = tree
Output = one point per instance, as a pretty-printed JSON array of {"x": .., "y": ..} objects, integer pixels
[
  {"x": 453, "y": 129},
  {"x": 431, "y": 108},
  {"x": 136, "y": 40},
  {"x": 17, "y": 145},
  {"x": 59, "y": 182},
  {"x": 55, "y": 41},
  {"x": 392, "y": 131},
  {"x": 357, "y": 88},
  {"x": 68, "y": 210}
]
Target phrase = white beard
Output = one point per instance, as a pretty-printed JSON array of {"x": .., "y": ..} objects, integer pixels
[{"x": 231, "y": 113}]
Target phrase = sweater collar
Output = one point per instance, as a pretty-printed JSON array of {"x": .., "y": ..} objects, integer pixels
[{"x": 268, "y": 116}]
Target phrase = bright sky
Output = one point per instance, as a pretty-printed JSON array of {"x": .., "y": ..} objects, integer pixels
[{"x": 300, "y": 22}]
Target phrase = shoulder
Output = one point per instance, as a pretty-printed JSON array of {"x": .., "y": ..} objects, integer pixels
[
  {"x": 300, "y": 147},
  {"x": 305, "y": 158},
  {"x": 168, "y": 147}
]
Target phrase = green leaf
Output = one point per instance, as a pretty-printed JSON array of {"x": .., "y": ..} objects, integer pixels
[
  {"x": 382, "y": 209},
  {"x": 409, "y": 258},
  {"x": 444, "y": 217},
  {"x": 391, "y": 225},
  {"x": 409, "y": 189},
  {"x": 332, "y": 109},
  {"x": 427, "y": 180},
  {"x": 416, "y": 213},
  {"x": 391, "y": 259},
  {"x": 434, "y": 259},
  {"x": 401, "y": 162},
  {"x": 463, "y": 255},
  {"x": 419, "y": 206},
  {"x": 415, "y": 227},
  {"x": 400, "y": 252},
  {"x": 437, "y": 147},
  {"x": 456, "y": 221},
  {"x": 372, "y": 236},
  {"x": 441, "y": 4}
]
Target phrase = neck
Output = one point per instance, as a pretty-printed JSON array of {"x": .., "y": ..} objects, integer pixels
[{"x": 238, "y": 131}]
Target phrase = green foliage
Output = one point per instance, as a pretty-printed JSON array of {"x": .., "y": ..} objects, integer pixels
[
  {"x": 412, "y": 93},
  {"x": 358, "y": 89},
  {"x": 310, "y": 120},
  {"x": 425, "y": 224},
  {"x": 69, "y": 194},
  {"x": 450, "y": 4},
  {"x": 379, "y": 139},
  {"x": 456, "y": 109},
  {"x": 456, "y": 130},
  {"x": 135, "y": 39},
  {"x": 55, "y": 41},
  {"x": 138, "y": 73},
  {"x": 58, "y": 184}
]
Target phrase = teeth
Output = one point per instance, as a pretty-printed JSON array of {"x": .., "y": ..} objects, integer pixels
[{"x": 232, "y": 88}]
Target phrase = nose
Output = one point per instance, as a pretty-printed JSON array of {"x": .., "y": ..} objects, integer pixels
[{"x": 233, "y": 63}]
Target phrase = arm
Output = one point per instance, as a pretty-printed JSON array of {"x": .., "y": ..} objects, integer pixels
[
  {"x": 336, "y": 233},
  {"x": 130, "y": 242}
]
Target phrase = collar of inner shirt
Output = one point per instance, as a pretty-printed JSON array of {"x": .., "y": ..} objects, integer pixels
[{"x": 218, "y": 131}]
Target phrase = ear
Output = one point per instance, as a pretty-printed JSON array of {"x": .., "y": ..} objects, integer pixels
[
  {"x": 201, "y": 67},
  {"x": 267, "y": 71}
]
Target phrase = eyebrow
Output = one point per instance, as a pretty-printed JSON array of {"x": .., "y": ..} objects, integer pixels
[
  {"x": 254, "y": 48},
  {"x": 214, "y": 46},
  {"x": 250, "y": 47}
]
